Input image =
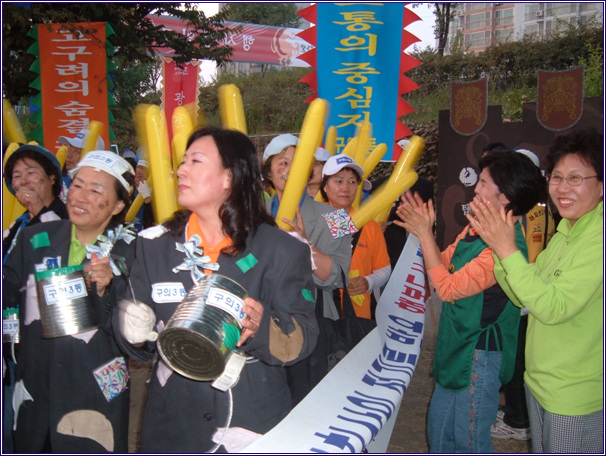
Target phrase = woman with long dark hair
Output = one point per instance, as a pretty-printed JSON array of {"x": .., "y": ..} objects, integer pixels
[{"x": 226, "y": 223}]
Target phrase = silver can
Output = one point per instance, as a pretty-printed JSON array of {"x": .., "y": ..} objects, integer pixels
[{"x": 204, "y": 328}]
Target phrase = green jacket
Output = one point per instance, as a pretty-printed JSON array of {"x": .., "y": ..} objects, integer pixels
[
  {"x": 564, "y": 294},
  {"x": 465, "y": 321}
]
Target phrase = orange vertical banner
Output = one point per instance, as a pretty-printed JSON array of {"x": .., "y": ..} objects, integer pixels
[{"x": 73, "y": 79}]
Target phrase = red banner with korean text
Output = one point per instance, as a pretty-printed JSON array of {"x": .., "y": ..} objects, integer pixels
[
  {"x": 250, "y": 42},
  {"x": 180, "y": 87},
  {"x": 560, "y": 98},
  {"x": 468, "y": 106},
  {"x": 73, "y": 80}
]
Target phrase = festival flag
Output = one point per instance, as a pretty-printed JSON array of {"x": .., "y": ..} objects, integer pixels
[
  {"x": 468, "y": 106},
  {"x": 360, "y": 65},
  {"x": 250, "y": 42},
  {"x": 560, "y": 98},
  {"x": 73, "y": 80},
  {"x": 180, "y": 87}
]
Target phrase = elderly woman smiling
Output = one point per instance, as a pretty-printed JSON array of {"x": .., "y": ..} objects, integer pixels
[
  {"x": 563, "y": 292},
  {"x": 33, "y": 175},
  {"x": 62, "y": 401}
]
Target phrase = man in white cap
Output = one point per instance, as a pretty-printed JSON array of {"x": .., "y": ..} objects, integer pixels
[{"x": 74, "y": 152}]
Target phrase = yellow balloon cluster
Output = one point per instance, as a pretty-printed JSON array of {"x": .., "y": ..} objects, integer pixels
[
  {"x": 312, "y": 132},
  {"x": 152, "y": 134}
]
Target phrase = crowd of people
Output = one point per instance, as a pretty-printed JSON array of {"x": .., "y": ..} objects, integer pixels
[{"x": 520, "y": 343}]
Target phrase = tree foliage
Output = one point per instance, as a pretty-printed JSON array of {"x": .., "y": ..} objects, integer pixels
[
  {"x": 273, "y": 102},
  {"x": 511, "y": 69},
  {"x": 134, "y": 40},
  {"x": 444, "y": 13},
  {"x": 135, "y": 83},
  {"x": 277, "y": 14}
]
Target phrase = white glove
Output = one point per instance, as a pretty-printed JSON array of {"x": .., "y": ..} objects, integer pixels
[
  {"x": 144, "y": 190},
  {"x": 137, "y": 322}
]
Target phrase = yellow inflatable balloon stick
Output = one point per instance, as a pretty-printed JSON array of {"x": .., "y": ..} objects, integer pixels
[
  {"x": 231, "y": 108},
  {"x": 330, "y": 143},
  {"x": 11, "y": 207},
  {"x": 13, "y": 133},
  {"x": 153, "y": 134},
  {"x": 61, "y": 153},
  {"x": 382, "y": 199},
  {"x": 95, "y": 129},
  {"x": 368, "y": 166},
  {"x": 134, "y": 208},
  {"x": 408, "y": 159},
  {"x": 310, "y": 138},
  {"x": 364, "y": 135},
  {"x": 182, "y": 128}
]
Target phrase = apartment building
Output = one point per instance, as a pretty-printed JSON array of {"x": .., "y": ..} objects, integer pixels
[{"x": 480, "y": 25}]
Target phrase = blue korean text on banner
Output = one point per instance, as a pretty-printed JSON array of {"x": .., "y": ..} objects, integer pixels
[{"x": 360, "y": 61}]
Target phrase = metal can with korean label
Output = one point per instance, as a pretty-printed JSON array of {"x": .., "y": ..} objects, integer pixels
[
  {"x": 10, "y": 325},
  {"x": 65, "y": 308},
  {"x": 204, "y": 328}
]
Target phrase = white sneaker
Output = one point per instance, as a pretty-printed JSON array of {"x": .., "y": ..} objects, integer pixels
[
  {"x": 500, "y": 415},
  {"x": 500, "y": 430}
]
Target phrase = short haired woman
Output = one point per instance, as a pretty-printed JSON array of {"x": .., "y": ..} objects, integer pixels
[{"x": 477, "y": 336}]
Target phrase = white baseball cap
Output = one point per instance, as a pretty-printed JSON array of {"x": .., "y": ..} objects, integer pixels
[
  {"x": 322, "y": 154},
  {"x": 78, "y": 140},
  {"x": 530, "y": 155},
  {"x": 111, "y": 163},
  {"x": 337, "y": 162},
  {"x": 278, "y": 144}
]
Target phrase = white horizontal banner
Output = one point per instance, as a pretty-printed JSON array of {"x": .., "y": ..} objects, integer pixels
[{"x": 355, "y": 406}]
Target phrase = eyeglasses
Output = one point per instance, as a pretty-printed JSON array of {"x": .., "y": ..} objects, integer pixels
[{"x": 575, "y": 180}]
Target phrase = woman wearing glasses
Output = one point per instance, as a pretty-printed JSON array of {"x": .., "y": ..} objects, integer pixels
[
  {"x": 563, "y": 291},
  {"x": 478, "y": 333}
]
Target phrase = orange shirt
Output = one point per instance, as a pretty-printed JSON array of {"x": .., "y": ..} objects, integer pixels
[
  {"x": 370, "y": 254},
  {"x": 474, "y": 277},
  {"x": 193, "y": 227}
]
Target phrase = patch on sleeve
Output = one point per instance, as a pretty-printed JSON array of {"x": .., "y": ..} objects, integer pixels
[
  {"x": 285, "y": 347},
  {"x": 40, "y": 240},
  {"x": 246, "y": 263},
  {"x": 340, "y": 224},
  {"x": 308, "y": 295}
]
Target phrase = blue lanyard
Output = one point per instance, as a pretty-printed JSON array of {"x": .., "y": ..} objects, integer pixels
[{"x": 24, "y": 219}]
